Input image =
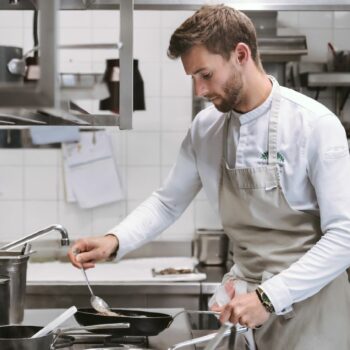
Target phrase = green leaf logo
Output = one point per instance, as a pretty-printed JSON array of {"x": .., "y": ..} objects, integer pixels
[{"x": 265, "y": 156}]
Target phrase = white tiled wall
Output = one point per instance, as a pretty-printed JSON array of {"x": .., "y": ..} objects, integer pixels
[{"x": 31, "y": 184}]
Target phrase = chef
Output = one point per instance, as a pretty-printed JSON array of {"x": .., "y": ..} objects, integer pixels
[{"x": 275, "y": 165}]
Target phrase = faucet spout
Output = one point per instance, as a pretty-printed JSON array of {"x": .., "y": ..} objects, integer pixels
[{"x": 36, "y": 235}]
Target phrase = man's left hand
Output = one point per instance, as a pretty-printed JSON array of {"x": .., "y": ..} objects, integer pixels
[{"x": 245, "y": 309}]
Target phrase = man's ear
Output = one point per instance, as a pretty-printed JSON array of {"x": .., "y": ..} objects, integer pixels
[{"x": 243, "y": 53}]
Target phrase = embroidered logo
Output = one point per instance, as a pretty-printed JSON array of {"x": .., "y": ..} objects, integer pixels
[{"x": 265, "y": 155}]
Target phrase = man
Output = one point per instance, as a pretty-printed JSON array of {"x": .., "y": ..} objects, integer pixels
[{"x": 276, "y": 166}]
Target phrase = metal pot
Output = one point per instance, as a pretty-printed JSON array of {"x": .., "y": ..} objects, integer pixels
[
  {"x": 4, "y": 300},
  {"x": 19, "y": 338},
  {"x": 16, "y": 337},
  {"x": 14, "y": 265}
]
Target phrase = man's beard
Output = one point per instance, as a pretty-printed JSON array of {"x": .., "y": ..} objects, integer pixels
[{"x": 232, "y": 89}]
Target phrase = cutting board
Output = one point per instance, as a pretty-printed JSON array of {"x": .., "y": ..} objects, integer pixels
[{"x": 127, "y": 270}]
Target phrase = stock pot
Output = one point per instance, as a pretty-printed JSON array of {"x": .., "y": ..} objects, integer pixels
[{"x": 14, "y": 266}]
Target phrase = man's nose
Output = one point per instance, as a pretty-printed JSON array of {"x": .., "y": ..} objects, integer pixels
[{"x": 200, "y": 89}]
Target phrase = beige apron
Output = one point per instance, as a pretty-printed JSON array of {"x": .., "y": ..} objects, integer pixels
[{"x": 268, "y": 236}]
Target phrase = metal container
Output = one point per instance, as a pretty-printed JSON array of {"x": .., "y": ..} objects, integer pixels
[
  {"x": 14, "y": 265},
  {"x": 19, "y": 338},
  {"x": 4, "y": 300},
  {"x": 211, "y": 247}
]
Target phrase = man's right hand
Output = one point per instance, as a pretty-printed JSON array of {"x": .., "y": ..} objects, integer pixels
[{"x": 86, "y": 252}]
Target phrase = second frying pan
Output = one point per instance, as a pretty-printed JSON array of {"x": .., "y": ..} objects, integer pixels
[{"x": 142, "y": 323}]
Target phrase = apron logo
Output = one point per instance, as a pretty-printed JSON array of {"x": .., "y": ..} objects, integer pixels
[{"x": 264, "y": 157}]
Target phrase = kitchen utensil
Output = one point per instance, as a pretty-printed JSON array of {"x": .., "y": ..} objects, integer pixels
[
  {"x": 14, "y": 265},
  {"x": 212, "y": 338},
  {"x": 224, "y": 329},
  {"x": 16, "y": 337},
  {"x": 96, "y": 302},
  {"x": 142, "y": 323},
  {"x": 4, "y": 300},
  {"x": 56, "y": 322},
  {"x": 19, "y": 338}
]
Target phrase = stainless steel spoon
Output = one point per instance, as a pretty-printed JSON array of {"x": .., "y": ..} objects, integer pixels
[{"x": 96, "y": 302}]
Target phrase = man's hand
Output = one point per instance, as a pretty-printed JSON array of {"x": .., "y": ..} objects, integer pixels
[
  {"x": 245, "y": 309},
  {"x": 87, "y": 251}
]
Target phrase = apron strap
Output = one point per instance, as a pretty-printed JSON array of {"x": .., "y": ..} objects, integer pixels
[
  {"x": 273, "y": 123},
  {"x": 225, "y": 134}
]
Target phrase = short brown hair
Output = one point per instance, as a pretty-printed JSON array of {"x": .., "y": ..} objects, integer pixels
[{"x": 219, "y": 28}]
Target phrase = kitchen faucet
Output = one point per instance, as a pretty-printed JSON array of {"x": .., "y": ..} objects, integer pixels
[{"x": 35, "y": 235}]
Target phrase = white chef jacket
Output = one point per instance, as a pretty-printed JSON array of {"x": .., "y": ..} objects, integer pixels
[{"x": 314, "y": 163}]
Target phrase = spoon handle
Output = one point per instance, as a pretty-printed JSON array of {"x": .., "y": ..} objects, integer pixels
[
  {"x": 87, "y": 281},
  {"x": 76, "y": 252}
]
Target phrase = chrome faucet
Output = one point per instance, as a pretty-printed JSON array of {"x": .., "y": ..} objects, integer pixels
[{"x": 36, "y": 235}]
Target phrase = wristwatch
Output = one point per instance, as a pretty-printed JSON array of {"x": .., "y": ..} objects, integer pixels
[{"x": 265, "y": 301}]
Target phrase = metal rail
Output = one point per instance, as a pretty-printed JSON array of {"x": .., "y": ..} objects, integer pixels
[{"x": 246, "y": 5}]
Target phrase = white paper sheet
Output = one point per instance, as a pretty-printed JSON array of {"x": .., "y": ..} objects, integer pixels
[{"x": 91, "y": 175}]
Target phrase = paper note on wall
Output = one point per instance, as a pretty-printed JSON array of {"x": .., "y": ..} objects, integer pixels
[{"x": 91, "y": 174}]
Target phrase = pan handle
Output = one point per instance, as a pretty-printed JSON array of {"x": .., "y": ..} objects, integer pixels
[
  {"x": 71, "y": 331},
  {"x": 207, "y": 338},
  {"x": 226, "y": 327},
  {"x": 94, "y": 328},
  {"x": 204, "y": 312}
]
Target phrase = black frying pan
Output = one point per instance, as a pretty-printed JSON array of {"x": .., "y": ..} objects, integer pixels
[{"x": 142, "y": 323}]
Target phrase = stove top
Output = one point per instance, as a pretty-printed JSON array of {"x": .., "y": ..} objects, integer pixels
[{"x": 106, "y": 342}]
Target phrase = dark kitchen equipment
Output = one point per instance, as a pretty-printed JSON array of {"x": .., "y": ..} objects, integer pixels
[
  {"x": 7, "y": 53},
  {"x": 19, "y": 338},
  {"x": 111, "y": 77},
  {"x": 339, "y": 60},
  {"x": 4, "y": 300},
  {"x": 142, "y": 323}
]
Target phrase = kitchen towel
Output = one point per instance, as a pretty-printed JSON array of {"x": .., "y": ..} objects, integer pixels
[
  {"x": 127, "y": 270},
  {"x": 91, "y": 175}
]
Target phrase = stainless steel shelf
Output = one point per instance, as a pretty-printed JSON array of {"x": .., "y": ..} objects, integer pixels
[
  {"x": 332, "y": 79},
  {"x": 246, "y": 5}
]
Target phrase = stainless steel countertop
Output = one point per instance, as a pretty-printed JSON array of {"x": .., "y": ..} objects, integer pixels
[{"x": 214, "y": 277}]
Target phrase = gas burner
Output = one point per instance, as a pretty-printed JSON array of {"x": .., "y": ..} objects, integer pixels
[{"x": 127, "y": 340}]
